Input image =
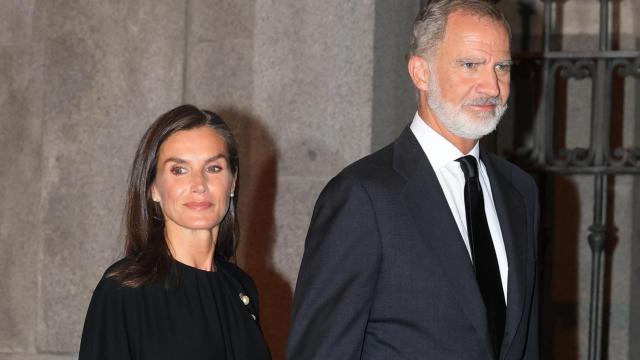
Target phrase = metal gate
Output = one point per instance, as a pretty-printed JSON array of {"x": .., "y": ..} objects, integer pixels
[{"x": 541, "y": 151}]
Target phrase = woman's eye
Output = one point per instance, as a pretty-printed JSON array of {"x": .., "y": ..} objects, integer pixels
[
  {"x": 214, "y": 168},
  {"x": 178, "y": 170}
]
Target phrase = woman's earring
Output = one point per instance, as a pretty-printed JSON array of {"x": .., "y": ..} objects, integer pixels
[{"x": 233, "y": 194}]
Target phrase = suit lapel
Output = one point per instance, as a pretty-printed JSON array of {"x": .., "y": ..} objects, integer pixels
[
  {"x": 512, "y": 217},
  {"x": 436, "y": 226}
]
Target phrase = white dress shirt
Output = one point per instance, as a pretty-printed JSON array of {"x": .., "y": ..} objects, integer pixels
[{"x": 443, "y": 155}]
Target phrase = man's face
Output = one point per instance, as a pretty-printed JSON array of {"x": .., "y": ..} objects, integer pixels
[{"x": 470, "y": 76}]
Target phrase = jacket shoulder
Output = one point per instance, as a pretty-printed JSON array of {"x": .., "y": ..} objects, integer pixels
[
  {"x": 521, "y": 181},
  {"x": 516, "y": 173},
  {"x": 375, "y": 165}
]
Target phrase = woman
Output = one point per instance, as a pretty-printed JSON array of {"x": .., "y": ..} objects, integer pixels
[{"x": 176, "y": 295}]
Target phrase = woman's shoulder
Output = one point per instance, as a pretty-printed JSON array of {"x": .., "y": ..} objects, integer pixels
[
  {"x": 110, "y": 284},
  {"x": 110, "y": 321},
  {"x": 118, "y": 277},
  {"x": 235, "y": 271},
  {"x": 243, "y": 283},
  {"x": 239, "y": 275},
  {"x": 123, "y": 263}
]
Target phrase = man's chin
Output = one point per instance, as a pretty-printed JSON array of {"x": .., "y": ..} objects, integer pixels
[
  {"x": 475, "y": 128},
  {"x": 481, "y": 116}
]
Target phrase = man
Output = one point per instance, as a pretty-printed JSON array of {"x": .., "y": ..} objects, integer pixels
[{"x": 426, "y": 249}]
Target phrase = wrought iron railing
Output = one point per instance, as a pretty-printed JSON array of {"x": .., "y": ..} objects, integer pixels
[{"x": 544, "y": 153}]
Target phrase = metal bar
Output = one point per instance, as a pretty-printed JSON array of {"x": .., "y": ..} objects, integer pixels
[
  {"x": 550, "y": 80},
  {"x": 600, "y": 118},
  {"x": 621, "y": 54},
  {"x": 582, "y": 170},
  {"x": 600, "y": 135},
  {"x": 548, "y": 22},
  {"x": 597, "y": 240},
  {"x": 604, "y": 25},
  {"x": 544, "y": 128}
]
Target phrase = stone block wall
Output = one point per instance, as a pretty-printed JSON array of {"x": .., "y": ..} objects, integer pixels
[{"x": 81, "y": 82}]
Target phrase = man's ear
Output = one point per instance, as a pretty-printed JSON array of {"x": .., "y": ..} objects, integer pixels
[{"x": 419, "y": 72}]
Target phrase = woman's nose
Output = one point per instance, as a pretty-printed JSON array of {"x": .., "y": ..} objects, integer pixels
[{"x": 199, "y": 184}]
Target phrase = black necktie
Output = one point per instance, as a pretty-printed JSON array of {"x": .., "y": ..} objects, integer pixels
[{"x": 483, "y": 253}]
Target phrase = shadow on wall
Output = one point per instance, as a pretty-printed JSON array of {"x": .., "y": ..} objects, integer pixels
[
  {"x": 560, "y": 264},
  {"x": 258, "y": 190}
]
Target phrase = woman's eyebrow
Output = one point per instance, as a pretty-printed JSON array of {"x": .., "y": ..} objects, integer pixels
[
  {"x": 175, "y": 160},
  {"x": 216, "y": 157}
]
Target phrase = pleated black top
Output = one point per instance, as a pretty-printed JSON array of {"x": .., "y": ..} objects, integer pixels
[{"x": 194, "y": 314}]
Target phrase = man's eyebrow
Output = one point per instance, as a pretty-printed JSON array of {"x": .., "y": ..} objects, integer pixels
[
  {"x": 471, "y": 59},
  {"x": 505, "y": 62}
]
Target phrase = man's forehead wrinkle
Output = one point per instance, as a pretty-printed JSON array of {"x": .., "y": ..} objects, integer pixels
[
  {"x": 472, "y": 48},
  {"x": 464, "y": 25},
  {"x": 465, "y": 41},
  {"x": 474, "y": 37}
]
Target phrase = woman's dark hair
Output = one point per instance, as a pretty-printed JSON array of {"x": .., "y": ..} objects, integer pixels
[{"x": 148, "y": 258}]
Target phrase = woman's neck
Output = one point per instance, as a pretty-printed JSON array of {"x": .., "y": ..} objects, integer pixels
[{"x": 192, "y": 247}]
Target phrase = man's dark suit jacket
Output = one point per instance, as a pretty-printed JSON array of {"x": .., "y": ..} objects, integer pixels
[{"x": 386, "y": 274}]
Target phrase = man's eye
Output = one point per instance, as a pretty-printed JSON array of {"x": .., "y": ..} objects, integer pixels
[
  {"x": 469, "y": 65},
  {"x": 503, "y": 68},
  {"x": 178, "y": 170},
  {"x": 214, "y": 168}
]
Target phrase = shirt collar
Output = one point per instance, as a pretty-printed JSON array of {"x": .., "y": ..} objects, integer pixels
[{"x": 439, "y": 150}]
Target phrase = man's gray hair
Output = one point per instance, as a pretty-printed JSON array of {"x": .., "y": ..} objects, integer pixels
[{"x": 431, "y": 23}]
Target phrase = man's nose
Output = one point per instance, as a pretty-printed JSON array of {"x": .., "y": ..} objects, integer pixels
[{"x": 488, "y": 84}]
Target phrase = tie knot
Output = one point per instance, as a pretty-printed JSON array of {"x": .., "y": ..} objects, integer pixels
[{"x": 469, "y": 166}]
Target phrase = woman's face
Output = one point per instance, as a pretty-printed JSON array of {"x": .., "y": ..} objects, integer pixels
[{"x": 193, "y": 182}]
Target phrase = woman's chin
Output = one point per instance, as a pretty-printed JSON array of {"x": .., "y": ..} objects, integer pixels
[{"x": 200, "y": 224}]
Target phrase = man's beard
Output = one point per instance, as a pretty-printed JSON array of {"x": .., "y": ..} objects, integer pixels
[{"x": 457, "y": 121}]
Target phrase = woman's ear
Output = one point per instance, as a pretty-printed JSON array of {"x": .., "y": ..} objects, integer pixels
[
  {"x": 155, "y": 195},
  {"x": 233, "y": 184}
]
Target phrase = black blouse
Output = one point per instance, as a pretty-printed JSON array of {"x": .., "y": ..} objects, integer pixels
[{"x": 194, "y": 314}]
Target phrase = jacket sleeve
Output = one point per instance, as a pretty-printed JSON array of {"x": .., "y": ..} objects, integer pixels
[
  {"x": 338, "y": 275},
  {"x": 105, "y": 335}
]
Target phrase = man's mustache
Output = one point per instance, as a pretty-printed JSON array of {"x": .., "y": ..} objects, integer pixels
[{"x": 492, "y": 100}]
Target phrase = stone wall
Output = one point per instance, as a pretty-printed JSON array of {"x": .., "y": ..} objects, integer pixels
[{"x": 81, "y": 82}]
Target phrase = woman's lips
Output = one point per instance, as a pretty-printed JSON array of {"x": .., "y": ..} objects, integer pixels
[{"x": 198, "y": 205}]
